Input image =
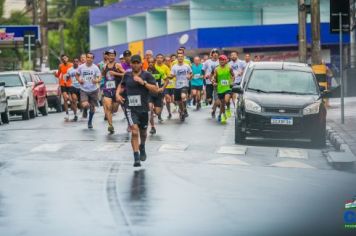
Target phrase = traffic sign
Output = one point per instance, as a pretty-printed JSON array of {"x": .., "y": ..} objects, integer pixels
[{"x": 337, "y": 7}]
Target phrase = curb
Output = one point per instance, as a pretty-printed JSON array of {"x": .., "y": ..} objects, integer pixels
[{"x": 343, "y": 152}]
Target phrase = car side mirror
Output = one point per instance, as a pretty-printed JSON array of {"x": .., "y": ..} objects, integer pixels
[
  {"x": 2, "y": 84},
  {"x": 237, "y": 89}
]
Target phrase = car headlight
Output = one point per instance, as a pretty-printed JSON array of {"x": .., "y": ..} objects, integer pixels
[
  {"x": 16, "y": 97},
  {"x": 312, "y": 109},
  {"x": 252, "y": 106}
]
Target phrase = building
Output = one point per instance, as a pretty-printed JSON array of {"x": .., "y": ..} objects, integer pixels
[{"x": 265, "y": 27}]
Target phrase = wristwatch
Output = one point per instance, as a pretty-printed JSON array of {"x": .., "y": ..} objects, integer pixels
[{"x": 144, "y": 83}]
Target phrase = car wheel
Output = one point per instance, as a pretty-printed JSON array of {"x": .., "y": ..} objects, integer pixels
[
  {"x": 44, "y": 109},
  {"x": 26, "y": 113},
  {"x": 318, "y": 138},
  {"x": 240, "y": 136},
  {"x": 5, "y": 117},
  {"x": 58, "y": 106}
]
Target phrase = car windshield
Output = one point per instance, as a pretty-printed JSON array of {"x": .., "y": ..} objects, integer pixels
[
  {"x": 282, "y": 81},
  {"x": 48, "y": 78},
  {"x": 11, "y": 80}
]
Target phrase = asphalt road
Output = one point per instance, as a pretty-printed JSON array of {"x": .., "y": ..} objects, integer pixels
[{"x": 59, "y": 178}]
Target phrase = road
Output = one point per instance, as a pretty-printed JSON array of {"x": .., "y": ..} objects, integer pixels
[{"x": 59, "y": 178}]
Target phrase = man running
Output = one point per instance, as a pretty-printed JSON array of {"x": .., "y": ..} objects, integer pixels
[
  {"x": 75, "y": 89},
  {"x": 208, "y": 68},
  {"x": 223, "y": 76},
  {"x": 169, "y": 89},
  {"x": 237, "y": 67},
  {"x": 126, "y": 65},
  {"x": 156, "y": 100},
  {"x": 183, "y": 74},
  {"x": 65, "y": 81},
  {"x": 197, "y": 81},
  {"x": 89, "y": 76},
  {"x": 83, "y": 59},
  {"x": 138, "y": 85},
  {"x": 113, "y": 73}
]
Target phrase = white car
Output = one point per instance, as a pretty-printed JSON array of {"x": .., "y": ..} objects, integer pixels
[{"x": 19, "y": 94}]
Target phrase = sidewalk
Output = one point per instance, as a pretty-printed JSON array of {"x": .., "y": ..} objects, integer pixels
[{"x": 347, "y": 131}]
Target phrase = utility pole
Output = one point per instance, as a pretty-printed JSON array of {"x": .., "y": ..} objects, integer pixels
[
  {"x": 302, "y": 38},
  {"x": 44, "y": 34},
  {"x": 315, "y": 24}
]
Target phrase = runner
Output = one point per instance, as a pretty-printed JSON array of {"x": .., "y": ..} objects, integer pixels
[
  {"x": 197, "y": 82},
  {"x": 138, "y": 84},
  {"x": 101, "y": 66},
  {"x": 121, "y": 57},
  {"x": 208, "y": 68},
  {"x": 126, "y": 65},
  {"x": 113, "y": 73},
  {"x": 75, "y": 89},
  {"x": 237, "y": 67},
  {"x": 156, "y": 100},
  {"x": 183, "y": 74},
  {"x": 148, "y": 56},
  {"x": 169, "y": 89},
  {"x": 89, "y": 77},
  {"x": 167, "y": 62},
  {"x": 65, "y": 82},
  {"x": 223, "y": 77},
  {"x": 83, "y": 58}
]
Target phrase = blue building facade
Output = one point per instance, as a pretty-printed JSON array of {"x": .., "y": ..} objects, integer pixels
[{"x": 267, "y": 27}]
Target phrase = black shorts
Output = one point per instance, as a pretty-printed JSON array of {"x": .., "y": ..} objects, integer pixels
[
  {"x": 65, "y": 89},
  {"x": 169, "y": 91},
  {"x": 157, "y": 100},
  {"x": 91, "y": 97},
  {"x": 222, "y": 95},
  {"x": 199, "y": 88},
  {"x": 178, "y": 93},
  {"x": 110, "y": 94},
  {"x": 209, "y": 91},
  {"x": 74, "y": 90},
  {"x": 135, "y": 117}
]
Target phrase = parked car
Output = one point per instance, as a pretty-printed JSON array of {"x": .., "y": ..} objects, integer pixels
[
  {"x": 38, "y": 89},
  {"x": 4, "y": 109},
  {"x": 54, "y": 95},
  {"x": 19, "y": 94},
  {"x": 280, "y": 99}
]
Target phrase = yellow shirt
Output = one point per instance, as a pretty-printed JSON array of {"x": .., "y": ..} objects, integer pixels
[
  {"x": 320, "y": 69},
  {"x": 166, "y": 71}
]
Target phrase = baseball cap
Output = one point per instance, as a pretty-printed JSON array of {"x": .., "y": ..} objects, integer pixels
[
  {"x": 136, "y": 58},
  {"x": 214, "y": 50},
  {"x": 121, "y": 56},
  {"x": 223, "y": 57},
  {"x": 127, "y": 53},
  {"x": 110, "y": 51}
]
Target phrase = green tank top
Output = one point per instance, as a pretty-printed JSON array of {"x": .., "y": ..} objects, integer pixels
[{"x": 223, "y": 79}]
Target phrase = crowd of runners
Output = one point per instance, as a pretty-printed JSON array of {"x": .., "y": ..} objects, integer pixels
[{"x": 145, "y": 87}]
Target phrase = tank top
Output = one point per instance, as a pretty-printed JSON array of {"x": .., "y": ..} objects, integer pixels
[
  {"x": 111, "y": 82},
  {"x": 223, "y": 78}
]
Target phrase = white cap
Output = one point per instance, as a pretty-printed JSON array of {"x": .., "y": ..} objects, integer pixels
[{"x": 121, "y": 56}]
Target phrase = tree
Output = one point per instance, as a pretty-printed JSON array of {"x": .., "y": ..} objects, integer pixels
[{"x": 16, "y": 18}]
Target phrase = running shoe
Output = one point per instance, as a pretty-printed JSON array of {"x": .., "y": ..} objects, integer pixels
[
  {"x": 85, "y": 113},
  {"x": 143, "y": 155},
  {"x": 213, "y": 114},
  {"x": 160, "y": 118},
  {"x": 223, "y": 119},
  {"x": 228, "y": 113},
  {"x": 137, "y": 162},
  {"x": 169, "y": 116},
  {"x": 90, "y": 125},
  {"x": 75, "y": 119},
  {"x": 111, "y": 129},
  {"x": 186, "y": 113},
  {"x": 153, "y": 130}
]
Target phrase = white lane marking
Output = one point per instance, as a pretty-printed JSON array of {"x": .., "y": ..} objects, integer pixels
[
  {"x": 53, "y": 147},
  {"x": 228, "y": 161},
  {"x": 292, "y": 153},
  {"x": 173, "y": 148},
  {"x": 292, "y": 164},
  {"x": 235, "y": 150},
  {"x": 109, "y": 147}
]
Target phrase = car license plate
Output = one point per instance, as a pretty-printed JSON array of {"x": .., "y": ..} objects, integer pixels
[{"x": 281, "y": 121}]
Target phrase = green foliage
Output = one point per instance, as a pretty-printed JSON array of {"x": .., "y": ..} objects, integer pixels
[
  {"x": 2, "y": 7},
  {"x": 16, "y": 18},
  {"x": 108, "y": 2}
]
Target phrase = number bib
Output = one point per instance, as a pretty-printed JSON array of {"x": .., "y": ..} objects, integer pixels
[
  {"x": 196, "y": 76},
  {"x": 87, "y": 78},
  {"x": 180, "y": 83},
  {"x": 224, "y": 82},
  {"x": 110, "y": 84},
  {"x": 134, "y": 100}
]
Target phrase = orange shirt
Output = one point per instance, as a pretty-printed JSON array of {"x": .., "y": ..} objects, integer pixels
[
  {"x": 145, "y": 65},
  {"x": 62, "y": 71}
]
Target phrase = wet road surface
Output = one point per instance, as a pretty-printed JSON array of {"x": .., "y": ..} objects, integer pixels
[{"x": 59, "y": 178}]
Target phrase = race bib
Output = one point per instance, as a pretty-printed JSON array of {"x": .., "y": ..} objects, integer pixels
[
  {"x": 180, "y": 83},
  {"x": 171, "y": 83},
  {"x": 87, "y": 78},
  {"x": 224, "y": 82},
  {"x": 135, "y": 100},
  {"x": 110, "y": 84},
  {"x": 196, "y": 76}
]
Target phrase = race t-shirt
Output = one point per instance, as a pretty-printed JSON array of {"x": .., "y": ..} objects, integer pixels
[
  {"x": 197, "y": 79},
  {"x": 209, "y": 67},
  {"x": 237, "y": 67},
  {"x": 137, "y": 95},
  {"x": 164, "y": 69},
  {"x": 223, "y": 78},
  {"x": 88, "y": 74},
  {"x": 110, "y": 81},
  {"x": 181, "y": 72},
  {"x": 72, "y": 72}
]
